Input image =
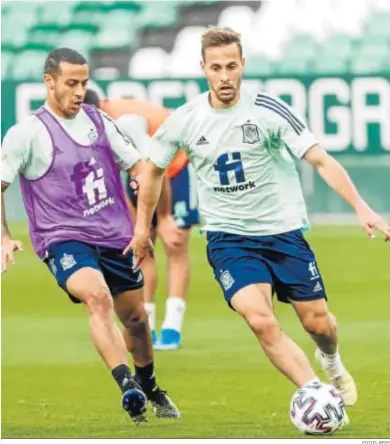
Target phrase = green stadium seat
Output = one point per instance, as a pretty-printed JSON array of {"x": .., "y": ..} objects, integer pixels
[
  {"x": 300, "y": 45},
  {"x": 28, "y": 65},
  {"x": 337, "y": 45},
  {"x": 48, "y": 32},
  {"x": 58, "y": 12},
  {"x": 76, "y": 39},
  {"x": 114, "y": 38},
  {"x": 157, "y": 15},
  {"x": 293, "y": 65},
  {"x": 378, "y": 24},
  {"x": 330, "y": 65},
  {"x": 259, "y": 65}
]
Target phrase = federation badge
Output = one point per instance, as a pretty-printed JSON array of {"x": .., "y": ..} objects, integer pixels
[
  {"x": 67, "y": 261},
  {"x": 226, "y": 280},
  {"x": 250, "y": 133}
]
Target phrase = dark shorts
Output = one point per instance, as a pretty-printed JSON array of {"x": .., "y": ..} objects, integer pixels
[
  {"x": 65, "y": 258},
  {"x": 284, "y": 260},
  {"x": 184, "y": 199}
]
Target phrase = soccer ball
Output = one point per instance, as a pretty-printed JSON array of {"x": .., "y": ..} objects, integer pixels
[{"x": 318, "y": 409}]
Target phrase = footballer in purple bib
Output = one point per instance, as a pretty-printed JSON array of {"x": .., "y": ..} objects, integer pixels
[
  {"x": 243, "y": 148},
  {"x": 68, "y": 157}
]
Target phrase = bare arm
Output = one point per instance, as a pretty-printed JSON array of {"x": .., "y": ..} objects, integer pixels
[
  {"x": 334, "y": 175},
  {"x": 164, "y": 207},
  {"x": 4, "y": 226},
  {"x": 149, "y": 195},
  {"x": 338, "y": 179}
]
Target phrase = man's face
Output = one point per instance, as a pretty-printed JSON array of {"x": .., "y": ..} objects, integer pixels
[
  {"x": 68, "y": 87},
  {"x": 224, "y": 67}
]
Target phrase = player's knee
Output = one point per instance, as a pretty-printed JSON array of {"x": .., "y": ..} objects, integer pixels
[
  {"x": 100, "y": 301},
  {"x": 265, "y": 326},
  {"x": 135, "y": 319},
  {"x": 319, "y": 323}
]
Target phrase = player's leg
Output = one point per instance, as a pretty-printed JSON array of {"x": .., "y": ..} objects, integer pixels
[
  {"x": 299, "y": 281},
  {"x": 150, "y": 271},
  {"x": 76, "y": 269},
  {"x": 126, "y": 286},
  {"x": 149, "y": 268},
  {"x": 246, "y": 283},
  {"x": 185, "y": 212},
  {"x": 178, "y": 283},
  {"x": 321, "y": 325},
  {"x": 254, "y": 304},
  {"x": 129, "y": 307}
]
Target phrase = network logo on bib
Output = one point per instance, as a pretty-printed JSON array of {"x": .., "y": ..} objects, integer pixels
[{"x": 91, "y": 186}]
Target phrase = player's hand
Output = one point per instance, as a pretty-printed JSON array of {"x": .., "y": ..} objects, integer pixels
[
  {"x": 141, "y": 245},
  {"x": 170, "y": 233},
  {"x": 370, "y": 221},
  {"x": 8, "y": 246},
  {"x": 134, "y": 183}
]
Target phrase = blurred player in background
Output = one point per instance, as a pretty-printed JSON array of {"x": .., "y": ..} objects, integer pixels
[
  {"x": 242, "y": 149},
  {"x": 138, "y": 121},
  {"x": 67, "y": 156}
]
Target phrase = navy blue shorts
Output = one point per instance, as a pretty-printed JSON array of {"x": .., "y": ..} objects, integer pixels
[
  {"x": 283, "y": 260},
  {"x": 65, "y": 258},
  {"x": 184, "y": 199}
]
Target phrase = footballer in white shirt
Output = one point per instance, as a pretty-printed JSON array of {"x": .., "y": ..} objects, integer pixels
[{"x": 242, "y": 148}]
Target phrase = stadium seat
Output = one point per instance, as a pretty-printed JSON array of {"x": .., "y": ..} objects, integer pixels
[
  {"x": 259, "y": 65},
  {"x": 59, "y": 13},
  {"x": 48, "y": 32},
  {"x": 110, "y": 38},
  {"x": 76, "y": 38},
  {"x": 28, "y": 65},
  {"x": 148, "y": 63},
  {"x": 294, "y": 65},
  {"x": 378, "y": 25},
  {"x": 330, "y": 65},
  {"x": 302, "y": 46},
  {"x": 157, "y": 15}
]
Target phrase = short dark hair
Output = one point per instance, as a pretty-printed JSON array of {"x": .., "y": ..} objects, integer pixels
[
  {"x": 91, "y": 98},
  {"x": 58, "y": 55}
]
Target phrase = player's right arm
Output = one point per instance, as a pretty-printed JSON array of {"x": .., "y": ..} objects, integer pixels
[
  {"x": 164, "y": 145},
  {"x": 14, "y": 155}
]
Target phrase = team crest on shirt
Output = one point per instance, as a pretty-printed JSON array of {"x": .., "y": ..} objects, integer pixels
[
  {"x": 92, "y": 135},
  {"x": 226, "y": 279},
  {"x": 250, "y": 133},
  {"x": 67, "y": 261}
]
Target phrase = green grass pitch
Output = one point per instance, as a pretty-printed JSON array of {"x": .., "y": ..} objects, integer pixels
[{"x": 55, "y": 386}]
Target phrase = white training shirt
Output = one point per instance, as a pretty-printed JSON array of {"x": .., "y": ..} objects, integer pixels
[
  {"x": 27, "y": 147},
  {"x": 243, "y": 157},
  {"x": 135, "y": 128}
]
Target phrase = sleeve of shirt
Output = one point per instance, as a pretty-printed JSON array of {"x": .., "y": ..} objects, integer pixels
[
  {"x": 15, "y": 152},
  {"x": 125, "y": 152},
  {"x": 291, "y": 125},
  {"x": 166, "y": 141},
  {"x": 135, "y": 128}
]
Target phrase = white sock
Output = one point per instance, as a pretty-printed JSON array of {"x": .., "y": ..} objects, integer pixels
[
  {"x": 150, "y": 308},
  {"x": 333, "y": 359},
  {"x": 174, "y": 313}
]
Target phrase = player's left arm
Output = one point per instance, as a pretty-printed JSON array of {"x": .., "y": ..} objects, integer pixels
[
  {"x": 338, "y": 179},
  {"x": 302, "y": 144}
]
